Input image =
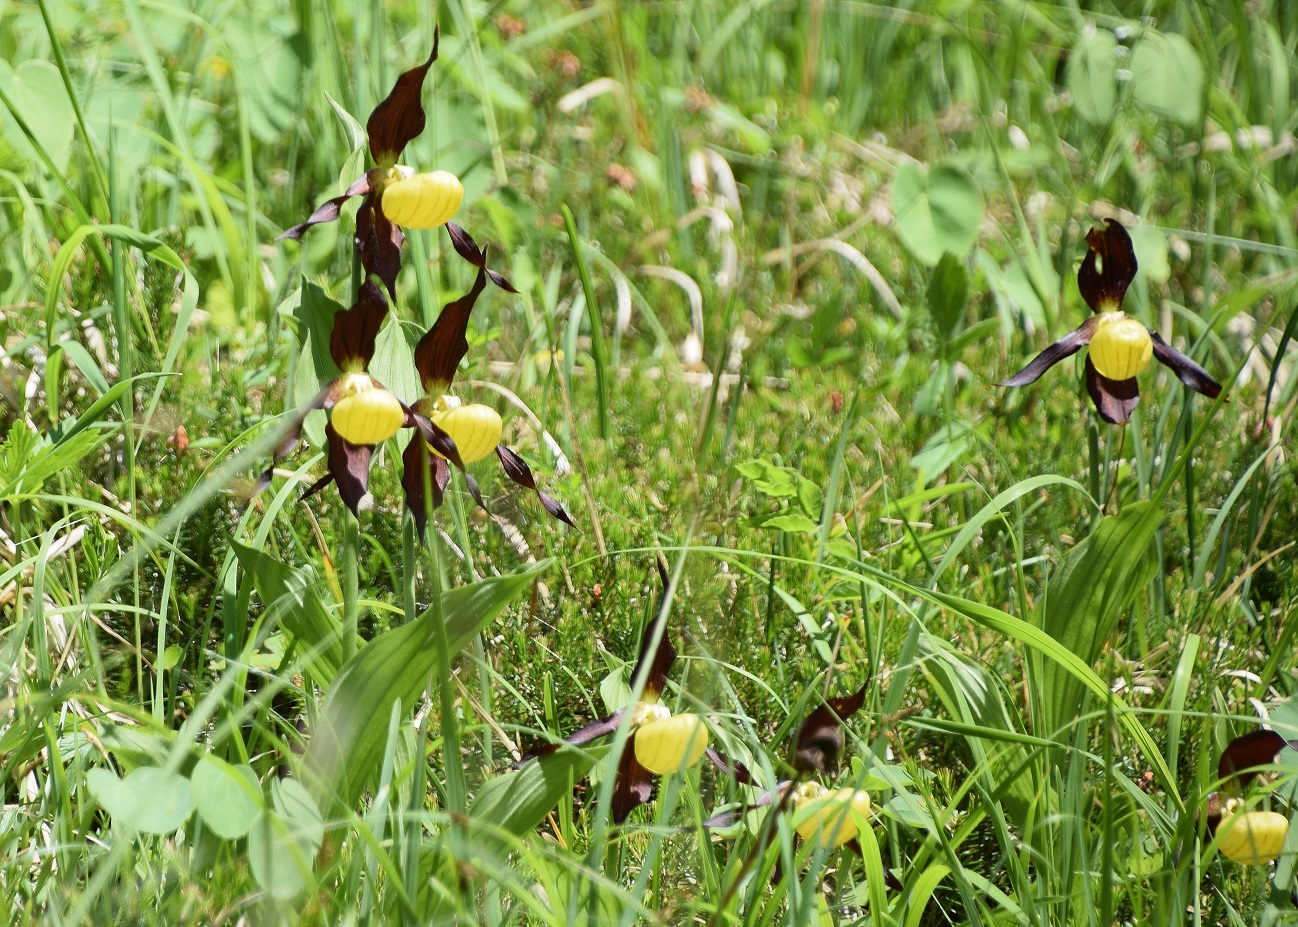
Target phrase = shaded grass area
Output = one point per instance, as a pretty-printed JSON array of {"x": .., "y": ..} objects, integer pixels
[{"x": 791, "y": 418}]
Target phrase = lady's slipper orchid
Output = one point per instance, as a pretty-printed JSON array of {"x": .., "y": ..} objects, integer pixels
[
  {"x": 475, "y": 428},
  {"x": 660, "y": 743},
  {"x": 1120, "y": 347},
  {"x": 1250, "y": 838},
  {"x": 395, "y": 195},
  {"x": 362, "y": 412}
]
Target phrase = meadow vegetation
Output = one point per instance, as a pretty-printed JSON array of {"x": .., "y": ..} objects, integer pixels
[{"x": 772, "y": 262}]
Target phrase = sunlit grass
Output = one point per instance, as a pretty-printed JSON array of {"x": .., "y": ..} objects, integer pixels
[{"x": 786, "y": 393}]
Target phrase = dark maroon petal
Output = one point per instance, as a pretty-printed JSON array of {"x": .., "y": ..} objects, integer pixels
[
  {"x": 355, "y": 329},
  {"x": 1187, "y": 371},
  {"x": 820, "y": 738},
  {"x": 665, "y": 656},
  {"x": 1109, "y": 266},
  {"x": 440, "y": 351},
  {"x": 729, "y": 767},
  {"x": 1115, "y": 400},
  {"x": 349, "y": 464},
  {"x": 292, "y": 435},
  {"x": 414, "y": 462},
  {"x": 379, "y": 241},
  {"x": 329, "y": 210},
  {"x": 1066, "y": 346},
  {"x": 400, "y": 117},
  {"x": 1245, "y": 753},
  {"x": 468, "y": 249},
  {"x": 518, "y": 471},
  {"x": 633, "y": 785},
  {"x": 441, "y": 442}
]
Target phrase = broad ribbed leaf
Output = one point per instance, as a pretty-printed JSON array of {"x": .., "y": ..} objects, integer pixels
[
  {"x": 1086, "y": 596},
  {"x": 518, "y": 801},
  {"x": 343, "y": 756}
]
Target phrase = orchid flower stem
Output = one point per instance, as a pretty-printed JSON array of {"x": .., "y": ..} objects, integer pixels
[
  {"x": 451, "y": 761},
  {"x": 349, "y": 574},
  {"x": 592, "y": 314},
  {"x": 1093, "y": 446},
  {"x": 1110, "y": 498},
  {"x": 410, "y": 568}
]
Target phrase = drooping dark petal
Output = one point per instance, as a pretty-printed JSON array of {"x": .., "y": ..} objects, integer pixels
[
  {"x": 659, "y": 661},
  {"x": 379, "y": 241},
  {"x": 1108, "y": 268},
  {"x": 633, "y": 786},
  {"x": 1187, "y": 371},
  {"x": 287, "y": 442},
  {"x": 439, "y": 352},
  {"x": 1246, "y": 753},
  {"x": 598, "y": 728},
  {"x": 440, "y": 441},
  {"x": 820, "y": 738},
  {"x": 329, "y": 210},
  {"x": 1066, "y": 346},
  {"x": 518, "y": 471},
  {"x": 400, "y": 117},
  {"x": 727, "y": 818},
  {"x": 355, "y": 329},
  {"x": 1115, "y": 400},
  {"x": 729, "y": 767},
  {"x": 349, "y": 465},
  {"x": 468, "y": 249}
]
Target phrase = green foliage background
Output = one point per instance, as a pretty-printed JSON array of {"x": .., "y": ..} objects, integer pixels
[{"x": 815, "y": 236}]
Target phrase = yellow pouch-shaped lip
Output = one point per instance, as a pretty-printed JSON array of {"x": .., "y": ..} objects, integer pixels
[
  {"x": 828, "y": 816},
  {"x": 1252, "y": 837},
  {"x": 474, "y": 428},
  {"x": 671, "y": 744},
  {"x": 366, "y": 414},
  {"x": 1121, "y": 346},
  {"x": 423, "y": 201}
]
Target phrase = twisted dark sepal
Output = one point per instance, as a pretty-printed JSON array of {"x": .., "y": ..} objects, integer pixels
[
  {"x": 1108, "y": 268},
  {"x": 1187, "y": 371},
  {"x": 355, "y": 329},
  {"x": 468, "y": 249},
  {"x": 820, "y": 738},
  {"x": 400, "y": 117},
  {"x": 1066, "y": 346},
  {"x": 518, "y": 471},
  {"x": 330, "y": 210},
  {"x": 292, "y": 435},
  {"x": 1115, "y": 400},
  {"x": 439, "y": 352}
]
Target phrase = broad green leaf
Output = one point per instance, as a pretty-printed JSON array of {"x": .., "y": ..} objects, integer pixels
[
  {"x": 37, "y": 93},
  {"x": 1091, "y": 76},
  {"x": 947, "y": 445},
  {"x": 1086, "y": 596},
  {"x": 293, "y": 594},
  {"x": 1167, "y": 77},
  {"x": 517, "y": 802},
  {"x": 394, "y": 361},
  {"x": 768, "y": 479},
  {"x": 284, "y": 839},
  {"x": 936, "y": 212},
  {"x": 228, "y": 797},
  {"x": 920, "y": 891},
  {"x": 948, "y": 296},
  {"x": 794, "y": 522},
  {"x": 343, "y": 756},
  {"x": 314, "y": 313},
  {"x": 149, "y": 800}
]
